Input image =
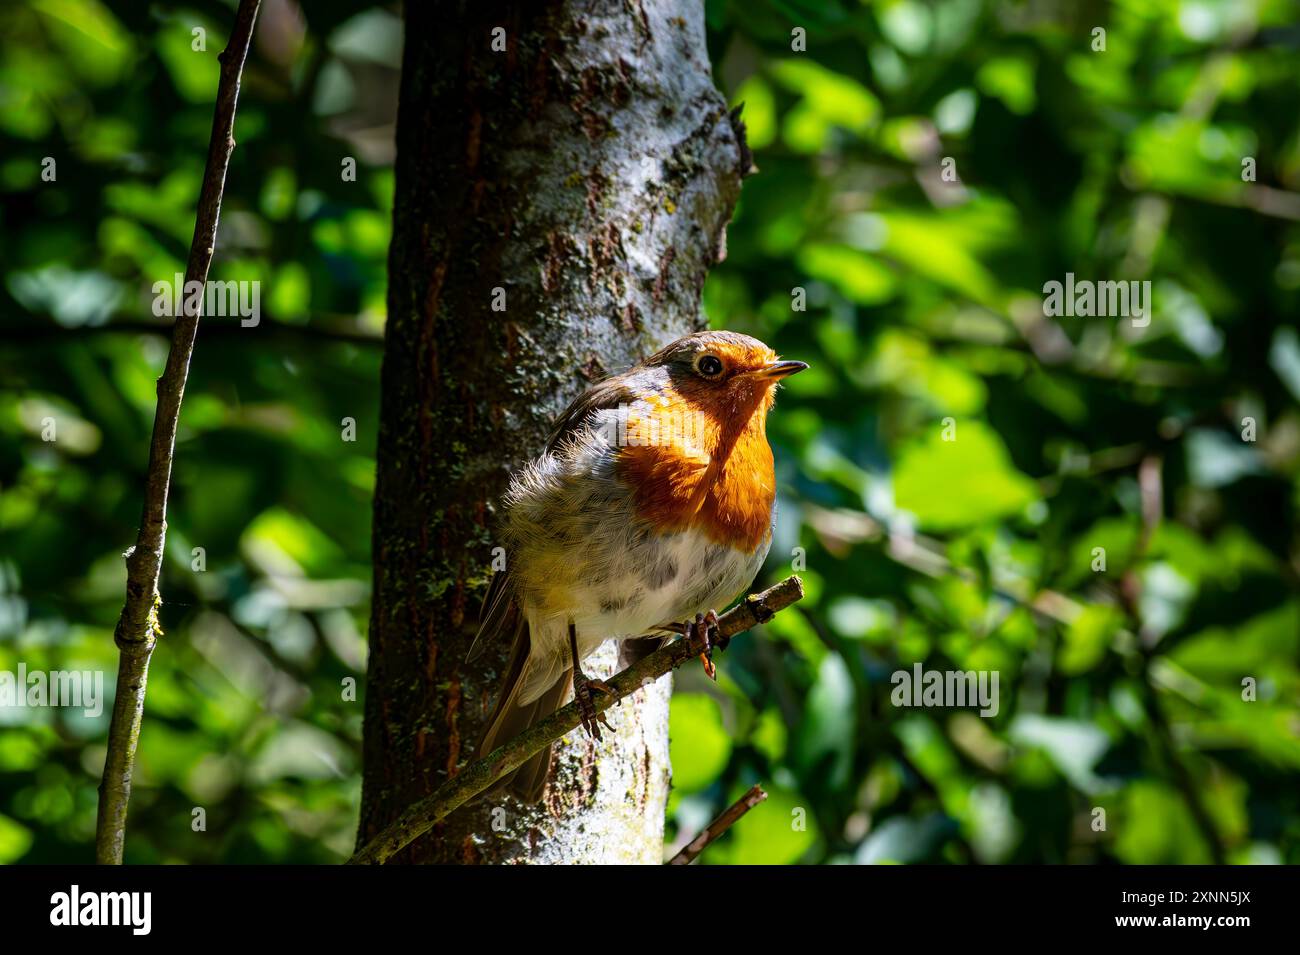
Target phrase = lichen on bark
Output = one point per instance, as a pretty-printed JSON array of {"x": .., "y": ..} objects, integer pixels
[{"x": 586, "y": 171}]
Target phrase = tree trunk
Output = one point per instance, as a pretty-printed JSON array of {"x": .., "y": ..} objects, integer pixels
[{"x": 565, "y": 171}]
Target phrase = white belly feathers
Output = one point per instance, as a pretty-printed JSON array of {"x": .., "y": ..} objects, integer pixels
[{"x": 578, "y": 551}]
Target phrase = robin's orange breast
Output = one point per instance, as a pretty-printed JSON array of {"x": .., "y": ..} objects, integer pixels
[{"x": 690, "y": 469}]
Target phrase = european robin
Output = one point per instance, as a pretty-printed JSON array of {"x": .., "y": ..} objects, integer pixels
[{"x": 651, "y": 506}]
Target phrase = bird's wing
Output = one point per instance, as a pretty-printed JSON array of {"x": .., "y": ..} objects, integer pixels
[
  {"x": 500, "y": 613},
  {"x": 610, "y": 393}
]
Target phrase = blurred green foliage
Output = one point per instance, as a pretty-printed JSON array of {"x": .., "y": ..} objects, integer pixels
[
  {"x": 917, "y": 300},
  {"x": 246, "y": 716}
]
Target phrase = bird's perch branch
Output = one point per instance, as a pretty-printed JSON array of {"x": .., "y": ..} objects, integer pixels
[
  {"x": 730, "y": 816},
  {"x": 137, "y": 629},
  {"x": 480, "y": 774}
]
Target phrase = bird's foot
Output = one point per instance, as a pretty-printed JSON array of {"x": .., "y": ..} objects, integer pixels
[
  {"x": 591, "y": 720},
  {"x": 705, "y": 627}
]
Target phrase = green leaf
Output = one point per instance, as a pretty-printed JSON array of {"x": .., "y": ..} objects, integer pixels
[
  {"x": 1156, "y": 827},
  {"x": 778, "y": 831},
  {"x": 960, "y": 483},
  {"x": 1088, "y": 637},
  {"x": 699, "y": 745},
  {"x": 15, "y": 840}
]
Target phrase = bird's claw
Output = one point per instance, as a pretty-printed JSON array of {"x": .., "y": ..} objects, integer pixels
[
  {"x": 591, "y": 720},
  {"x": 705, "y": 626}
]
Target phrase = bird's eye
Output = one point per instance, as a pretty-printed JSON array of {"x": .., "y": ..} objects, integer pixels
[{"x": 710, "y": 366}]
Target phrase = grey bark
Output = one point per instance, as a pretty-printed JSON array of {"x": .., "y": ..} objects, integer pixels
[{"x": 582, "y": 176}]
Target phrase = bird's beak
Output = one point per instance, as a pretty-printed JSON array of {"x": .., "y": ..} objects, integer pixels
[{"x": 781, "y": 369}]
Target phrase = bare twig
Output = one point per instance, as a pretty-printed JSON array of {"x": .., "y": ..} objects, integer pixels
[
  {"x": 691, "y": 851},
  {"x": 1151, "y": 487},
  {"x": 926, "y": 555},
  {"x": 480, "y": 774},
  {"x": 1181, "y": 776},
  {"x": 137, "y": 629}
]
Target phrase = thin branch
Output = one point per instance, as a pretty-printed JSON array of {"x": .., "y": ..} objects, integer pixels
[
  {"x": 926, "y": 555},
  {"x": 423, "y": 815},
  {"x": 730, "y": 816},
  {"x": 137, "y": 629},
  {"x": 1151, "y": 488},
  {"x": 1181, "y": 776}
]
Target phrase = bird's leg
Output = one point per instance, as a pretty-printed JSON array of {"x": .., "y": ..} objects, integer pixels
[
  {"x": 705, "y": 626},
  {"x": 582, "y": 687}
]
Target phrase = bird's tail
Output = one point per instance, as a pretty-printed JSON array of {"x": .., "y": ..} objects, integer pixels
[{"x": 511, "y": 717}]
